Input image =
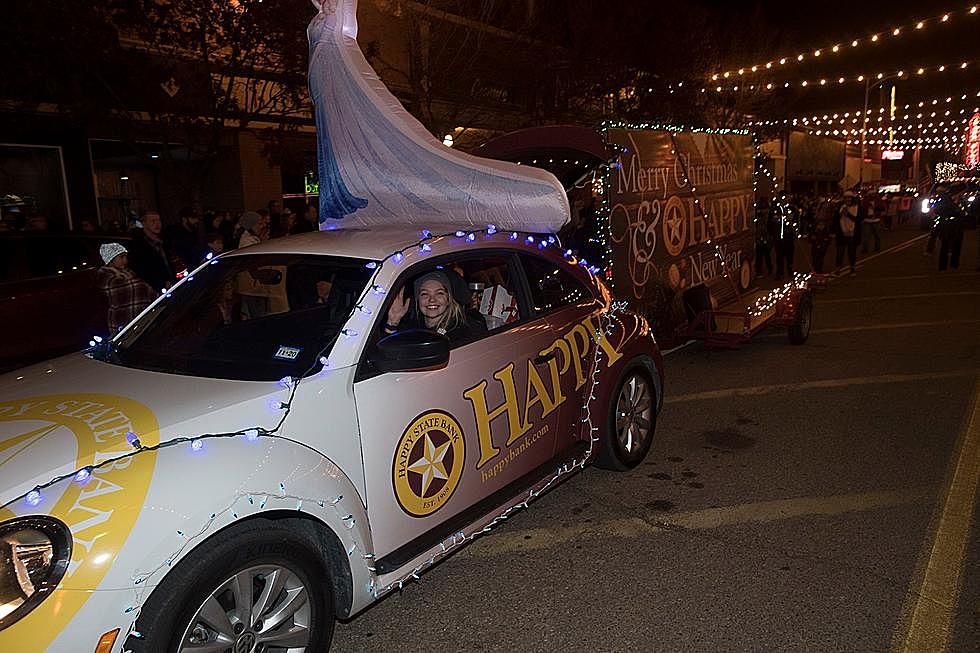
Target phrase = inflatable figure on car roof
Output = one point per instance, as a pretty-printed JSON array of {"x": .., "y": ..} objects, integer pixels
[{"x": 379, "y": 166}]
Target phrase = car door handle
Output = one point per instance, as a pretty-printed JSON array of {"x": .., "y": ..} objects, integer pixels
[{"x": 544, "y": 358}]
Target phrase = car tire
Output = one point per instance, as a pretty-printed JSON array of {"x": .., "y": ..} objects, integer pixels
[
  {"x": 275, "y": 555},
  {"x": 631, "y": 420},
  {"x": 799, "y": 331}
]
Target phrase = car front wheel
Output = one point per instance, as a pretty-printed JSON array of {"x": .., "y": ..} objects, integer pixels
[{"x": 255, "y": 590}]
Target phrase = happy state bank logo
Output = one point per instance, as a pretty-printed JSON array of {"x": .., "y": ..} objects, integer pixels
[
  {"x": 101, "y": 511},
  {"x": 428, "y": 463}
]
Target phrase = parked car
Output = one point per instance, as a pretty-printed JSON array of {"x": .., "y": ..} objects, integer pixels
[
  {"x": 261, "y": 452},
  {"x": 49, "y": 303}
]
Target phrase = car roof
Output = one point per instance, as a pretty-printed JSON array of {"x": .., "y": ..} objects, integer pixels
[
  {"x": 357, "y": 242},
  {"x": 354, "y": 242}
]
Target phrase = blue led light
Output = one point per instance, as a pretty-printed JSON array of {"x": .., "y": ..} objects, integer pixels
[
  {"x": 197, "y": 444},
  {"x": 275, "y": 404},
  {"x": 33, "y": 497},
  {"x": 513, "y": 235},
  {"x": 529, "y": 239},
  {"x": 568, "y": 253},
  {"x": 82, "y": 475},
  {"x": 370, "y": 265},
  {"x": 324, "y": 361},
  {"x": 398, "y": 257},
  {"x": 133, "y": 440},
  {"x": 378, "y": 290},
  {"x": 491, "y": 229},
  {"x": 460, "y": 234},
  {"x": 426, "y": 233},
  {"x": 425, "y": 247},
  {"x": 97, "y": 338},
  {"x": 470, "y": 237},
  {"x": 251, "y": 435}
]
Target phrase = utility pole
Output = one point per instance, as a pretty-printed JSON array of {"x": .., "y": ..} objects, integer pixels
[{"x": 864, "y": 129}]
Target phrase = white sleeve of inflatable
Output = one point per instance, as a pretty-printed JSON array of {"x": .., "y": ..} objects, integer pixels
[{"x": 379, "y": 166}]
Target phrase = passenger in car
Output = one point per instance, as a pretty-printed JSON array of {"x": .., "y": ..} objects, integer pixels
[{"x": 435, "y": 307}]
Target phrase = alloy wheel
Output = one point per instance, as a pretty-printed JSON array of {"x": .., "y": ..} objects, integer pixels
[
  {"x": 634, "y": 413},
  {"x": 261, "y": 609}
]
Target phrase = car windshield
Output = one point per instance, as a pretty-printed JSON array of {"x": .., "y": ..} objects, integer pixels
[{"x": 254, "y": 317}]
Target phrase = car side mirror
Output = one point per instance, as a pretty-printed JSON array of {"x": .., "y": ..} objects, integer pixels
[{"x": 411, "y": 350}]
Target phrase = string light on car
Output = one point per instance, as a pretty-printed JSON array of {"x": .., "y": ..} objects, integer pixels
[{"x": 245, "y": 502}]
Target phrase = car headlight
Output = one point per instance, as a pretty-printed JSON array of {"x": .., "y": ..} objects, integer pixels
[{"x": 34, "y": 555}]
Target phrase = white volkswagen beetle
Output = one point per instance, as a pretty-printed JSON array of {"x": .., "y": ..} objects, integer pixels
[{"x": 287, "y": 435}]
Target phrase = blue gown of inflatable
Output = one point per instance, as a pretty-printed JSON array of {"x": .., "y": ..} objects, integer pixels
[{"x": 379, "y": 166}]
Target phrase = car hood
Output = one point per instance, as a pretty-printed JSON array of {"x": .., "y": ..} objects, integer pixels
[{"x": 72, "y": 412}]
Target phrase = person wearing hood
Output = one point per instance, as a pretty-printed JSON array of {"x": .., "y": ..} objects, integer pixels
[
  {"x": 847, "y": 229},
  {"x": 433, "y": 306},
  {"x": 949, "y": 228},
  {"x": 126, "y": 294}
]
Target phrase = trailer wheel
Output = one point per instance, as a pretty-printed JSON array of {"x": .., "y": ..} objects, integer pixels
[{"x": 799, "y": 331}]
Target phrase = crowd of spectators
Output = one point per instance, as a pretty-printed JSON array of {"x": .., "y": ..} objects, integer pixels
[
  {"x": 156, "y": 256},
  {"x": 850, "y": 222}
]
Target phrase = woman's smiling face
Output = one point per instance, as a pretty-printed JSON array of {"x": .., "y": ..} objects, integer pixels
[{"x": 433, "y": 300}]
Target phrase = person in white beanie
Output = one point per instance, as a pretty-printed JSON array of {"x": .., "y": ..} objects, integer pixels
[
  {"x": 254, "y": 228},
  {"x": 126, "y": 294}
]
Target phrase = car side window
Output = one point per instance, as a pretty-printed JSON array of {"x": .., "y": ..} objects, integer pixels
[
  {"x": 491, "y": 290},
  {"x": 552, "y": 287},
  {"x": 484, "y": 287}
]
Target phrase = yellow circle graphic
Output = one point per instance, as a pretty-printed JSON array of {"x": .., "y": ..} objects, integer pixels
[
  {"x": 428, "y": 463},
  {"x": 101, "y": 511}
]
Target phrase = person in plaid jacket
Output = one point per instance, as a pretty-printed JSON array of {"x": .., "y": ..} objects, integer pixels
[{"x": 126, "y": 294}]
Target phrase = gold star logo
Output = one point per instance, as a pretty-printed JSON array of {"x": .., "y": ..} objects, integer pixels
[
  {"x": 675, "y": 226},
  {"x": 429, "y": 465}
]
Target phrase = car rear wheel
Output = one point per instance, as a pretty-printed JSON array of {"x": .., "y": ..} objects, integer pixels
[
  {"x": 256, "y": 590},
  {"x": 631, "y": 420}
]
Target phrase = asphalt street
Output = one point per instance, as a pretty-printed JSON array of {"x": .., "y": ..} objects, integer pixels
[{"x": 797, "y": 498}]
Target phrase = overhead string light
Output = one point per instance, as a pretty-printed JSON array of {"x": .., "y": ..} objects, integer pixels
[
  {"x": 853, "y": 115},
  {"x": 843, "y": 46},
  {"x": 915, "y": 72}
]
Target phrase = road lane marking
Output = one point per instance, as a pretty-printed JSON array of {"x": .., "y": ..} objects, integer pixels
[
  {"x": 918, "y": 276},
  {"x": 936, "y": 596},
  {"x": 870, "y": 257},
  {"x": 879, "y": 327},
  {"x": 752, "y": 391},
  {"x": 635, "y": 527},
  {"x": 879, "y": 298},
  {"x": 899, "y": 325}
]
